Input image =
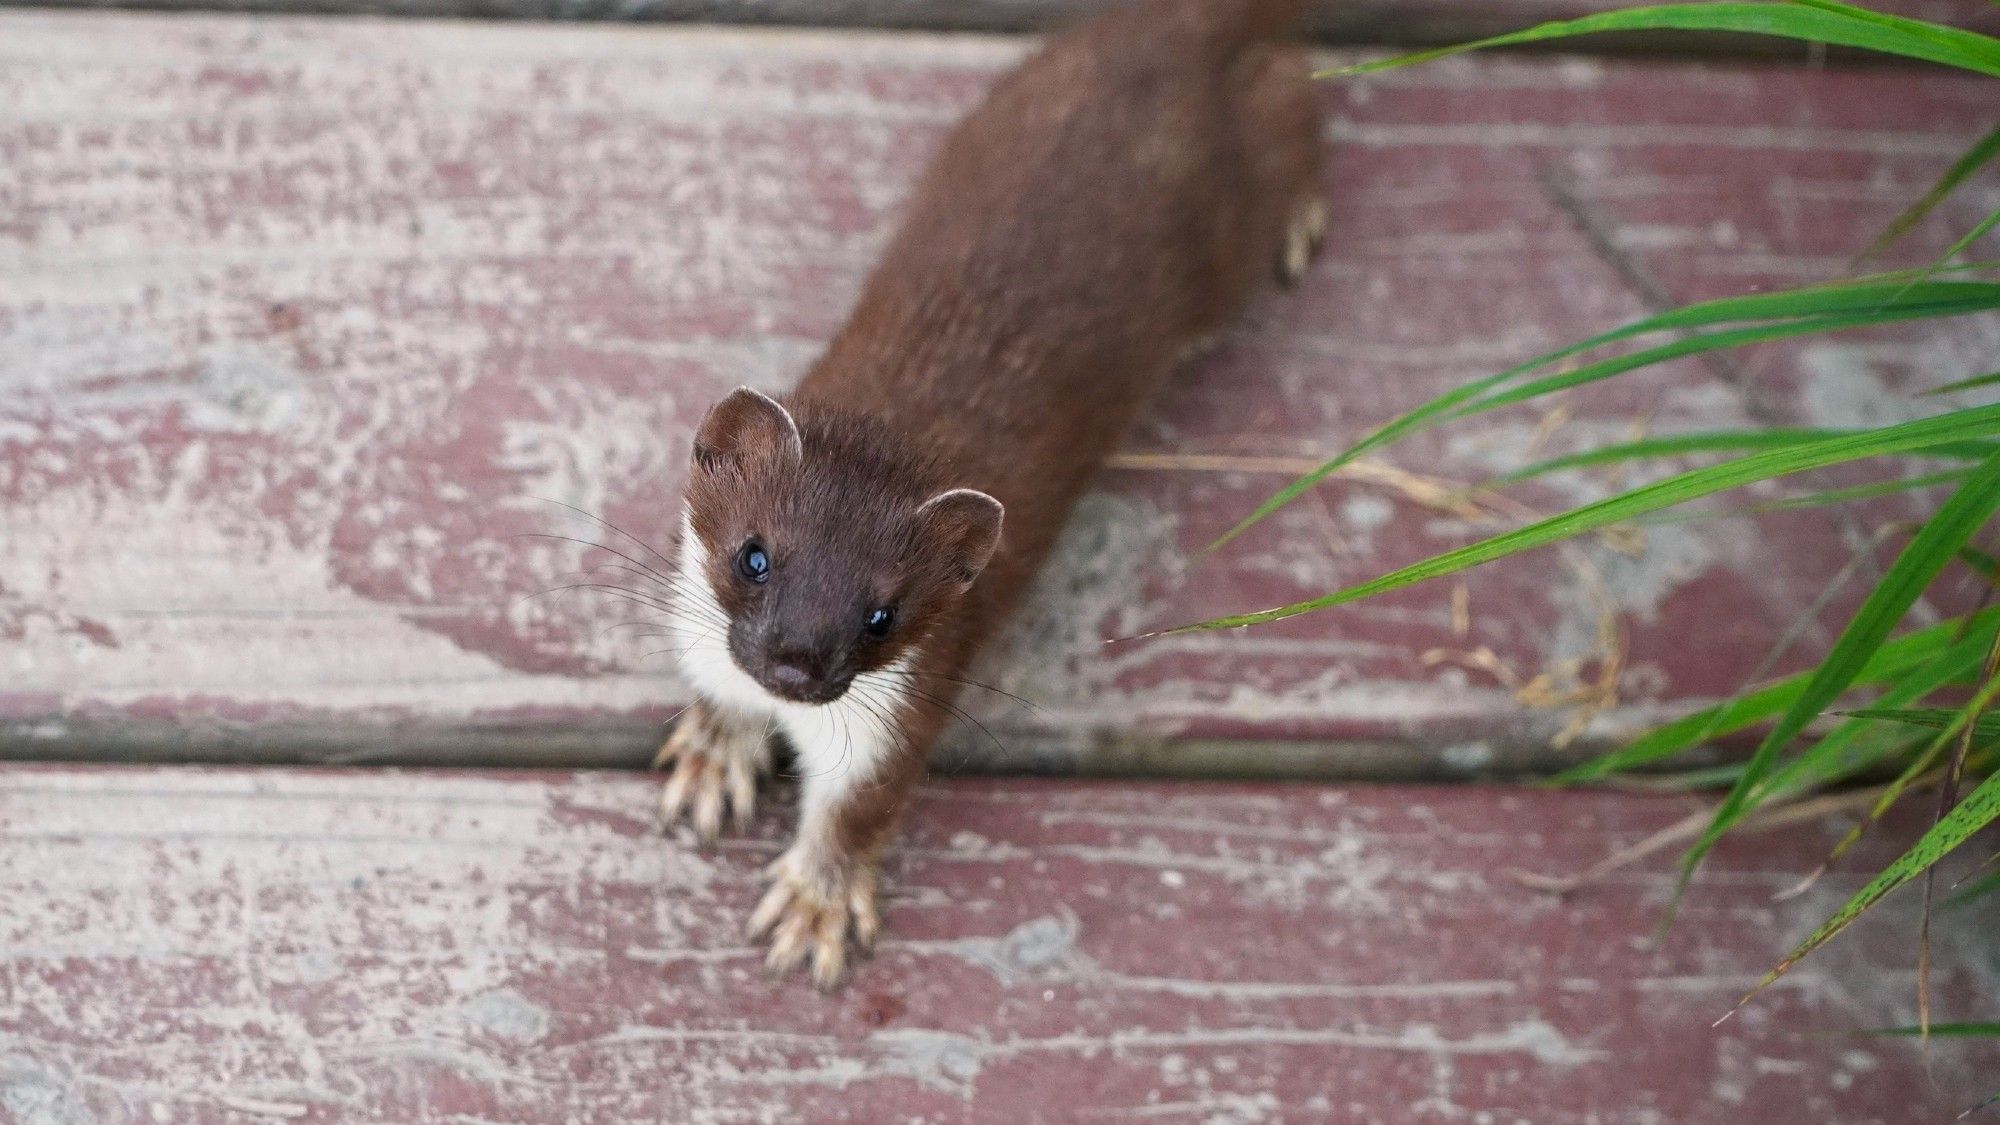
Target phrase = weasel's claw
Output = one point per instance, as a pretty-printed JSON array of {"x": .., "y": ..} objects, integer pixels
[
  {"x": 1304, "y": 235},
  {"x": 715, "y": 767},
  {"x": 810, "y": 915}
]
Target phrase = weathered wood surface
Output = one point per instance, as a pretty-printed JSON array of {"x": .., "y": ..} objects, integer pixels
[
  {"x": 219, "y": 946},
  {"x": 1335, "y": 21},
  {"x": 303, "y": 321}
]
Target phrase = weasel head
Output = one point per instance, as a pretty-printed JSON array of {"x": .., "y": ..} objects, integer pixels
[{"x": 828, "y": 552}]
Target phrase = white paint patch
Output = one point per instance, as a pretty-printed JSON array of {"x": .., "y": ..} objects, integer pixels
[
  {"x": 508, "y": 1014},
  {"x": 203, "y": 607},
  {"x": 1468, "y": 756},
  {"x": 1364, "y": 511},
  {"x": 1843, "y": 390}
]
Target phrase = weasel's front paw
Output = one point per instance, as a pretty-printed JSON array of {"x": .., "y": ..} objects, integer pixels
[
  {"x": 812, "y": 906},
  {"x": 1305, "y": 234},
  {"x": 716, "y": 758}
]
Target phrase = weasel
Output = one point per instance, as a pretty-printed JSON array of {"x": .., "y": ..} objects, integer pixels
[{"x": 845, "y": 551}]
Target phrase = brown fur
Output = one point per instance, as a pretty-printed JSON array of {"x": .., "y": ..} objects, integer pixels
[{"x": 1116, "y": 199}]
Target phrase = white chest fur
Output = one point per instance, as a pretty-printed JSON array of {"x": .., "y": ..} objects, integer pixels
[{"x": 840, "y": 745}]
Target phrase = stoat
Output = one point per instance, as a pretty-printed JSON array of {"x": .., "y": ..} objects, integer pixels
[{"x": 847, "y": 549}]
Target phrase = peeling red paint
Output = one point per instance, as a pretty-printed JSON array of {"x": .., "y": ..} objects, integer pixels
[
  {"x": 423, "y": 946},
  {"x": 290, "y": 439}
]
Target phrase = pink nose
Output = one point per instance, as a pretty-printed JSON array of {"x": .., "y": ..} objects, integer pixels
[{"x": 789, "y": 676}]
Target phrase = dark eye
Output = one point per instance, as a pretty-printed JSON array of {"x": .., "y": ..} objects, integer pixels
[
  {"x": 880, "y": 621},
  {"x": 752, "y": 563}
]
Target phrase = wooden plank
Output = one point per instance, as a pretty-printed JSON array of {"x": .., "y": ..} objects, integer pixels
[
  {"x": 1407, "y": 22},
  {"x": 218, "y": 946},
  {"x": 303, "y": 322}
]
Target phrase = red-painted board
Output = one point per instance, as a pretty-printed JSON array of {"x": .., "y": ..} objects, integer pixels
[
  {"x": 1346, "y": 21},
  {"x": 304, "y": 322},
  {"x": 203, "y": 946}
]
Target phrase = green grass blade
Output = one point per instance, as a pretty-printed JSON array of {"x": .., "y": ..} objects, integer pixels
[
  {"x": 1983, "y": 150},
  {"x": 1863, "y": 491},
  {"x": 1922, "y": 558},
  {"x": 1893, "y": 660},
  {"x": 1815, "y": 23},
  {"x": 1830, "y": 758},
  {"x": 1978, "y": 888},
  {"x": 1980, "y": 808},
  {"x": 1971, "y": 236},
  {"x": 1712, "y": 441},
  {"x": 1899, "y": 292},
  {"x": 1669, "y": 445},
  {"x": 1960, "y": 425},
  {"x": 1915, "y": 767},
  {"x": 1704, "y": 342},
  {"x": 1813, "y": 499},
  {"x": 1966, "y": 384},
  {"x": 1941, "y": 1030},
  {"x": 1935, "y": 718}
]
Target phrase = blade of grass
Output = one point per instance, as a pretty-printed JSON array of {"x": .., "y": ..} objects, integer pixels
[
  {"x": 1826, "y": 761},
  {"x": 1920, "y": 561},
  {"x": 1704, "y": 342},
  {"x": 1968, "y": 719},
  {"x": 1838, "y": 25},
  {"x": 1950, "y": 298},
  {"x": 1914, "y": 772},
  {"x": 1811, "y": 499},
  {"x": 1985, "y": 565},
  {"x": 1980, "y": 808},
  {"x": 1935, "y": 718},
  {"x": 1976, "y": 157},
  {"x": 1965, "y": 384},
  {"x": 1943, "y": 1030},
  {"x": 1980, "y": 887},
  {"x": 1971, "y": 236},
  {"x": 1892, "y": 660},
  {"x": 1717, "y": 441},
  {"x": 1960, "y": 425}
]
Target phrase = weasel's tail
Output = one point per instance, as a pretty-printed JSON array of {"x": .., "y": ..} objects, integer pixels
[{"x": 1227, "y": 27}]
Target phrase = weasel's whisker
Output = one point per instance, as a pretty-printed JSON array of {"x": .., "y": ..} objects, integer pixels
[
  {"x": 594, "y": 545},
  {"x": 675, "y": 589},
  {"x": 1028, "y": 703},
  {"x": 612, "y": 527},
  {"x": 959, "y": 712}
]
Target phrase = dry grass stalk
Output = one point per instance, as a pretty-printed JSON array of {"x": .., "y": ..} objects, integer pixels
[
  {"x": 1563, "y": 685},
  {"x": 1687, "y": 828}
]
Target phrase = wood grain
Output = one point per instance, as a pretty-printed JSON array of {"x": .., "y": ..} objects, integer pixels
[
  {"x": 304, "y": 324},
  {"x": 227, "y": 946},
  {"x": 1409, "y": 22}
]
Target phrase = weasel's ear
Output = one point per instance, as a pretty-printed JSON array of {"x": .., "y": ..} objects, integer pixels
[
  {"x": 746, "y": 427},
  {"x": 965, "y": 524}
]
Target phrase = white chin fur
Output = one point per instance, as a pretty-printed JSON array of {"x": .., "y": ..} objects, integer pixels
[{"x": 839, "y": 744}]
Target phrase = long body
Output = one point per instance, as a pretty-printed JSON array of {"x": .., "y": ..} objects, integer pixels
[{"x": 1115, "y": 200}]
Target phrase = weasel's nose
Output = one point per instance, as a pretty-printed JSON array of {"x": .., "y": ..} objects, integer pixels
[
  {"x": 793, "y": 675},
  {"x": 800, "y": 677}
]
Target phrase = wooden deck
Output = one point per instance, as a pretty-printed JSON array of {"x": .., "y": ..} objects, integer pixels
[
  {"x": 226, "y": 946},
  {"x": 303, "y": 322},
  {"x": 1371, "y": 22}
]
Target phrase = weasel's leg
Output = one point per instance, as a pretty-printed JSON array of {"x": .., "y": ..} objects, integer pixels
[
  {"x": 716, "y": 756},
  {"x": 823, "y": 888},
  {"x": 1281, "y": 121}
]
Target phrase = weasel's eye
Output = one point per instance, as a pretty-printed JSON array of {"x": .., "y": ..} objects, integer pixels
[
  {"x": 752, "y": 563},
  {"x": 880, "y": 621}
]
